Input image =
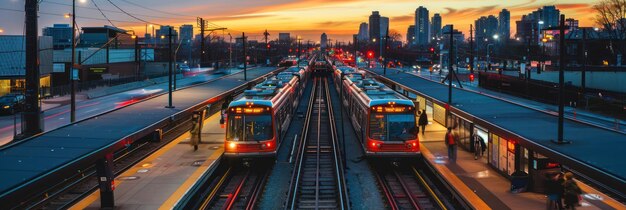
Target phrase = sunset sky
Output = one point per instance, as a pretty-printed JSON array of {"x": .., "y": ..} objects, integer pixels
[{"x": 308, "y": 18}]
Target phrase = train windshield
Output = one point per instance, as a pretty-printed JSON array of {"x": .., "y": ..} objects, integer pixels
[
  {"x": 392, "y": 127},
  {"x": 249, "y": 127}
]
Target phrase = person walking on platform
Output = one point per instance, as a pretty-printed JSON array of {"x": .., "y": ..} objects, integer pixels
[
  {"x": 450, "y": 141},
  {"x": 571, "y": 191},
  {"x": 479, "y": 147},
  {"x": 553, "y": 190},
  {"x": 423, "y": 121},
  {"x": 419, "y": 115}
]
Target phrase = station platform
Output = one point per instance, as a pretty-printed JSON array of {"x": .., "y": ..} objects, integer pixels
[
  {"x": 160, "y": 180},
  {"x": 593, "y": 152},
  {"x": 36, "y": 164},
  {"x": 487, "y": 184}
]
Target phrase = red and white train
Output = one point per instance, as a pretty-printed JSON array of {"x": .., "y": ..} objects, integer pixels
[
  {"x": 384, "y": 120},
  {"x": 257, "y": 121}
]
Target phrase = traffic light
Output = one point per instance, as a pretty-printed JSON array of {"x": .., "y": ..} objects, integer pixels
[
  {"x": 432, "y": 49},
  {"x": 471, "y": 77},
  {"x": 268, "y": 46},
  {"x": 290, "y": 50},
  {"x": 370, "y": 54}
]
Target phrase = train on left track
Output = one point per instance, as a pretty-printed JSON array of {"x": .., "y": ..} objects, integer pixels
[{"x": 257, "y": 121}]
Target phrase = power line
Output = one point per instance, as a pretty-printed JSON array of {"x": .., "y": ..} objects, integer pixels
[
  {"x": 94, "y": 3},
  {"x": 142, "y": 20},
  {"x": 113, "y": 11},
  {"x": 155, "y": 10},
  {"x": 63, "y": 15}
]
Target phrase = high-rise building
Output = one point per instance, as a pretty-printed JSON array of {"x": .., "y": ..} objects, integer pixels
[
  {"x": 549, "y": 16},
  {"x": 486, "y": 28},
  {"x": 324, "y": 41},
  {"x": 162, "y": 35},
  {"x": 435, "y": 30},
  {"x": 284, "y": 38},
  {"x": 530, "y": 25},
  {"x": 571, "y": 23},
  {"x": 363, "y": 32},
  {"x": 410, "y": 36},
  {"x": 61, "y": 35},
  {"x": 384, "y": 26},
  {"x": 374, "y": 22},
  {"x": 422, "y": 26},
  {"x": 186, "y": 33},
  {"x": 504, "y": 24}
]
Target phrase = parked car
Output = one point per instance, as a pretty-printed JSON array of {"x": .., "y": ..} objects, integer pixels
[
  {"x": 11, "y": 103},
  {"x": 184, "y": 68}
]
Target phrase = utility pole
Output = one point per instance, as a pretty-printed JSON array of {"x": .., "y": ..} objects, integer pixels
[
  {"x": 32, "y": 111},
  {"x": 560, "y": 139},
  {"x": 266, "y": 34},
  {"x": 137, "y": 62},
  {"x": 201, "y": 22},
  {"x": 298, "y": 53},
  {"x": 245, "y": 57},
  {"x": 471, "y": 42},
  {"x": 73, "y": 68},
  {"x": 583, "y": 77},
  {"x": 356, "y": 49},
  {"x": 385, "y": 56},
  {"x": 169, "y": 51}
]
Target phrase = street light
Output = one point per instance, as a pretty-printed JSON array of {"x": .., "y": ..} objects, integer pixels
[
  {"x": 230, "y": 52},
  {"x": 1, "y": 30},
  {"x": 495, "y": 36}
]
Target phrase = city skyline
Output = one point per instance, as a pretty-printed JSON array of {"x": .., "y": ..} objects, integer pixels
[{"x": 288, "y": 16}]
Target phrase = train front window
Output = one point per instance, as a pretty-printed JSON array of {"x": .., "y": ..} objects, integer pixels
[
  {"x": 392, "y": 127},
  {"x": 249, "y": 127}
]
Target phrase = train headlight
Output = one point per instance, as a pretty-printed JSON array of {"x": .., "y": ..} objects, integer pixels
[{"x": 232, "y": 145}]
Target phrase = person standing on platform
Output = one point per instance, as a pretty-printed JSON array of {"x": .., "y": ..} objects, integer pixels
[
  {"x": 571, "y": 191},
  {"x": 553, "y": 190},
  {"x": 423, "y": 121},
  {"x": 450, "y": 141},
  {"x": 419, "y": 115}
]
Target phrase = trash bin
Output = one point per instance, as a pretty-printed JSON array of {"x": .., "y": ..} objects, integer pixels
[{"x": 519, "y": 182}]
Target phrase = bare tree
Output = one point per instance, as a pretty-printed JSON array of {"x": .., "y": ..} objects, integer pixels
[
  {"x": 611, "y": 16},
  {"x": 396, "y": 36}
]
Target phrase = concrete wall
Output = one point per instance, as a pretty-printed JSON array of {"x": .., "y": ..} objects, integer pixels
[{"x": 612, "y": 81}]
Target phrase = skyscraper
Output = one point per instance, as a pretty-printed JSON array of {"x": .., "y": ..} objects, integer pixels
[
  {"x": 504, "y": 24},
  {"x": 374, "y": 26},
  {"x": 410, "y": 36},
  {"x": 363, "y": 32},
  {"x": 549, "y": 16},
  {"x": 186, "y": 33},
  {"x": 323, "y": 41},
  {"x": 384, "y": 26},
  {"x": 486, "y": 27},
  {"x": 422, "y": 26},
  {"x": 435, "y": 31}
]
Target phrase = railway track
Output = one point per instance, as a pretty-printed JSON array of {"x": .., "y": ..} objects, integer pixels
[
  {"x": 237, "y": 187},
  {"x": 404, "y": 186},
  {"x": 318, "y": 180}
]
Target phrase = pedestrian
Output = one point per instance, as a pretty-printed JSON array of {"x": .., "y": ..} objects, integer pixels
[
  {"x": 571, "y": 191},
  {"x": 553, "y": 190},
  {"x": 423, "y": 121},
  {"x": 196, "y": 129},
  {"x": 450, "y": 141},
  {"x": 479, "y": 147},
  {"x": 419, "y": 115}
]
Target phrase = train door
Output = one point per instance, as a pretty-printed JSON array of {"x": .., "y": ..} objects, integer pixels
[{"x": 481, "y": 134}]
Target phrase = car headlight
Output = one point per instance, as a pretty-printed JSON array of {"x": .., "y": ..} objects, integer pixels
[{"x": 6, "y": 106}]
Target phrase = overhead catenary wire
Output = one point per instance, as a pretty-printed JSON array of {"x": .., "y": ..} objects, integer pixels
[
  {"x": 118, "y": 12},
  {"x": 131, "y": 15},
  {"x": 62, "y": 15},
  {"x": 103, "y": 15}
]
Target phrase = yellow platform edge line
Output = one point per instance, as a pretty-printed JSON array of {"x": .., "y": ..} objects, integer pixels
[
  {"x": 454, "y": 181},
  {"x": 182, "y": 190}
]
